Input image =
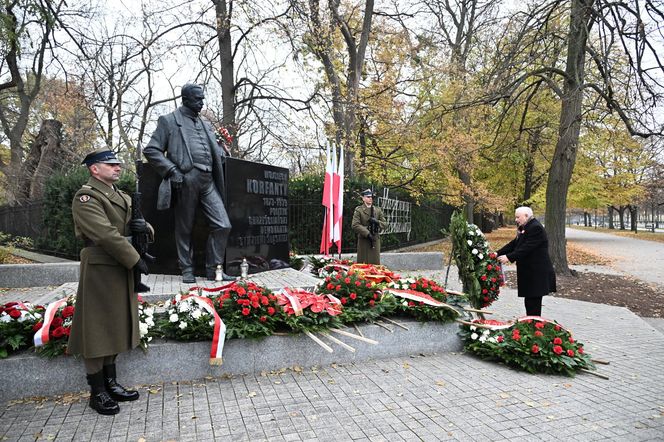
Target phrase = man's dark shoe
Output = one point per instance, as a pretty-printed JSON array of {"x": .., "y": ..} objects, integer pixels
[
  {"x": 100, "y": 400},
  {"x": 188, "y": 277},
  {"x": 142, "y": 288},
  {"x": 117, "y": 391}
]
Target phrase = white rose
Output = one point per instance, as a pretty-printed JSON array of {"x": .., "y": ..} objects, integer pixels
[
  {"x": 471, "y": 233},
  {"x": 23, "y": 317},
  {"x": 480, "y": 256},
  {"x": 473, "y": 336},
  {"x": 492, "y": 339},
  {"x": 196, "y": 314},
  {"x": 143, "y": 328},
  {"x": 475, "y": 251},
  {"x": 149, "y": 322},
  {"x": 182, "y": 325},
  {"x": 174, "y": 318},
  {"x": 178, "y": 298},
  {"x": 149, "y": 311},
  {"x": 184, "y": 307},
  {"x": 470, "y": 243},
  {"x": 5, "y": 318},
  {"x": 482, "y": 339},
  {"x": 149, "y": 338},
  {"x": 473, "y": 328},
  {"x": 211, "y": 323}
]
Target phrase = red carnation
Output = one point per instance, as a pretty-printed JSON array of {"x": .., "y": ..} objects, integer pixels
[
  {"x": 337, "y": 288},
  {"x": 58, "y": 332},
  {"x": 411, "y": 303},
  {"x": 37, "y": 326},
  {"x": 245, "y": 311},
  {"x": 347, "y": 280},
  {"x": 270, "y": 311},
  {"x": 538, "y": 333},
  {"x": 557, "y": 328},
  {"x": 262, "y": 319},
  {"x": 68, "y": 311},
  {"x": 368, "y": 285},
  {"x": 571, "y": 340},
  {"x": 57, "y": 322},
  {"x": 485, "y": 291},
  {"x": 557, "y": 341},
  {"x": 483, "y": 277},
  {"x": 570, "y": 353},
  {"x": 500, "y": 338},
  {"x": 344, "y": 300},
  {"x": 353, "y": 296},
  {"x": 372, "y": 302},
  {"x": 14, "y": 314},
  {"x": 535, "y": 348},
  {"x": 375, "y": 296},
  {"x": 580, "y": 350},
  {"x": 330, "y": 286},
  {"x": 486, "y": 299},
  {"x": 358, "y": 283},
  {"x": 557, "y": 349},
  {"x": 539, "y": 325}
]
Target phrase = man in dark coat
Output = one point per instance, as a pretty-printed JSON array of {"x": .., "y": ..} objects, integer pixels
[
  {"x": 105, "y": 319},
  {"x": 368, "y": 243},
  {"x": 530, "y": 250},
  {"x": 184, "y": 151}
]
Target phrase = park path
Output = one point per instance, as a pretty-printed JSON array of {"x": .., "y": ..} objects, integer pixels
[{"x": 642, "y": 259}]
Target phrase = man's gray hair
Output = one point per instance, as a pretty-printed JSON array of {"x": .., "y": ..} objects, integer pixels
[
  {"x": 188, "y": 88},
  {"x": 525, "y": 209}
]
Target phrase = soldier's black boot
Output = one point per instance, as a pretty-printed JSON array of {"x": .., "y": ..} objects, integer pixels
[
  {"x": 100, "y": 400},
  {"x": 117, "y": 391}
]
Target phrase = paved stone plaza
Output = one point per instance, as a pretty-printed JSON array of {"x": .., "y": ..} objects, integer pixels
[{"x": 428, "y": 397}]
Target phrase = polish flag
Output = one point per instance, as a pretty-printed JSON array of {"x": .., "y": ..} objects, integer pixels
[
  {"x": 338, "y": 181},
  {"x": 328, "y": 203}
]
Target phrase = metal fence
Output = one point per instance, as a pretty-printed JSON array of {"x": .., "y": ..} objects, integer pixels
[{"x": 24, "y": 220}]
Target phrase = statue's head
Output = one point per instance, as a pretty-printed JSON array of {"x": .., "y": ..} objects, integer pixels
[{"x": 192, "y": 97}]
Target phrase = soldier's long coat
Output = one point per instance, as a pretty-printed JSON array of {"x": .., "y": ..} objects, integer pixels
[
  {"x": 106, "y": 316},
  {"x": 530, "y": 250},
  {"x": 366, "y": 254}
]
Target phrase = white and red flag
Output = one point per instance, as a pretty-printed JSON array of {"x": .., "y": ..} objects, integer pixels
[
  {"x": 328, "y": 203},
  {"x": 338, "y": 180}
]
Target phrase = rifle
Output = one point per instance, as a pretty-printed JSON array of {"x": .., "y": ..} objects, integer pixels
[
  {"x": 374, "y": 227},
  {"x": 140, "y": 241}
]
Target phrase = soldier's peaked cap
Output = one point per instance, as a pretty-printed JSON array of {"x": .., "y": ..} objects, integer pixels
[
  {"x": 367, "y": 192},
  {"x": 100, "y": 156}
]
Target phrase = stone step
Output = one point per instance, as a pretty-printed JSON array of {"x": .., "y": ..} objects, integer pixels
[{"x": 26, "y": 374}]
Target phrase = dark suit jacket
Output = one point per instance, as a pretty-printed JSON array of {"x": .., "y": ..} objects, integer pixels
[
  {"x": 530, "y": 249},
  {"x": 170, "y": 139}
]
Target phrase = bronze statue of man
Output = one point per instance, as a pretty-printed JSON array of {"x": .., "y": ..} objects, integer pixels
[{"x": 184, "y": 152}]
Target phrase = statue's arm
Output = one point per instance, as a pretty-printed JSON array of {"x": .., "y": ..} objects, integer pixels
[{"x": 157, "y": 146}]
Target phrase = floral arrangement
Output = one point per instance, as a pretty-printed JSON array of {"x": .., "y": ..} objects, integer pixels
[
  {"x": 222, "y": 135},
  {"x": 248, "y": 310},
  {"x": 186, "y": 320},
  {"x": 372, "y": 272},
  {"x": 58, "y": 329},
  {"x": 306, "y": 311},
  {"x": 362, "y": 300},
  {"x": 327, "y": 265},
  {"x": 145, "y": 322},
  {"x": 479, "y": 270},
  {"x": 17, "y": 326},
  {"x": 430, "y": 289},
  {"x": 532, "y": 344}
]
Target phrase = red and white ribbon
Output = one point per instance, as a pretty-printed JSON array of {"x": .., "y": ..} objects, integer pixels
[
  {"x": 416, "y": 296},
  {"x": 219, "y": 335},
  {"x": 291, "y": 296},
  {"x": 333, "y": 299},
  {"x": 42, "y": 336},
  {"x": 194, "y": 290}
]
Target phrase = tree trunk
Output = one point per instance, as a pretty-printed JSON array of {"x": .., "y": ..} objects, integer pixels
[
  {"x": 633, "y": 217},
  {"x": 562, "y": 164},
  {"x": 621, "y": 217},
  {"x": 226, "y": 64},
  {"x": 46, "y": 149}
]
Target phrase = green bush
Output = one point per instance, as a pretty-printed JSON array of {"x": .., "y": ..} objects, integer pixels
[{"x": 58, "y": 235}]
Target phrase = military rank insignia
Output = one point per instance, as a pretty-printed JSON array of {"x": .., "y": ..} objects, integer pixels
[{"x": 84, "y": 198}]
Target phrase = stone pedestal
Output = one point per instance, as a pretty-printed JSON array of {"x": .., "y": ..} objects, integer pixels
[{"x": 256, "y": 199}]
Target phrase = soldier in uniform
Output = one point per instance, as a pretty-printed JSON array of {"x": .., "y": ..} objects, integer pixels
[
  {"x": 106, "y": 316},
  {"x": 184, "y": 152},
  {"x": 368, "y": 244}
]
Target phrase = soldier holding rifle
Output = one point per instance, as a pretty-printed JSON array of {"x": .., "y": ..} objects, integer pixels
[
  {"x": 368, "y": 222},
  {"x": 106, "y": 317}
]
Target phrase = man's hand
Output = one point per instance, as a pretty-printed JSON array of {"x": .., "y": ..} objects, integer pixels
[
  {"x": 176, "y": 178},
  {"x": 370, "y": 237},
  {"x": 138, "y": 226},
  {"x": 142, "y": 266},
  {"x": 503, "y": 259},
  {"x": 373, "y": 220}
]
